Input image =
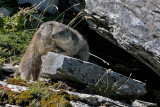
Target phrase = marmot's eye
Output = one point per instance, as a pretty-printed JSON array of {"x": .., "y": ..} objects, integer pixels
[{"x": 50, "y": 24}]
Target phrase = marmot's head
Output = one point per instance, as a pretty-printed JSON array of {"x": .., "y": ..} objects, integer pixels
[
  {"x": 56, "y": 30},
  {"x": 64, "y": 34},
  {"x": 47, "y": 28}
]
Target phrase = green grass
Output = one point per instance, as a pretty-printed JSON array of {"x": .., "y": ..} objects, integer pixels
[
  {"x": 16, "y": 33},
  {"x": 14, "y": 37},
  {"x": 14, "y": 44}
]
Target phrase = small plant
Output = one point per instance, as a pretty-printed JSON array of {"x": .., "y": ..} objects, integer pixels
[
  {"x": 39, "y": 92},
  {"x": 103, "y": 89},
  {"x": 14, "y": 44},
  {"x": 16, "y": 33},
  {"x": 60, "y": 99},
  {"x": 2, "y": 59}
]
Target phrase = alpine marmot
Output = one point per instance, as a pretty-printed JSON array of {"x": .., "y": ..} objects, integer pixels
[{"x": 55, "y": 37}]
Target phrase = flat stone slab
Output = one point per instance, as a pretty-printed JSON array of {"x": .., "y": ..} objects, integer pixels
[
  {"x": 95, "y": 100},
  {"x": 55, "y": 65},
  {"x": 140, "y": 103}
]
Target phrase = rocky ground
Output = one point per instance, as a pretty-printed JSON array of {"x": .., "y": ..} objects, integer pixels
[{"x": 124, "y": 34}]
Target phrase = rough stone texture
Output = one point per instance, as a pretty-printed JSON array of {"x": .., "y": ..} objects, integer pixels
[
  {"x": 60, "y": 66},
  {"x": 87, "y": 98},
  {"x": 133, "y": 25},
  {"x": 10, "y": 67},
  {"x": 139, "y": 103},
  {"x": 79, "y": 104},
  {"x": 50, "y": 4},
  {"x": 8, "y": 105},
  {"x": 4, "y": 12},
  {"x": 95, "y": 100}
]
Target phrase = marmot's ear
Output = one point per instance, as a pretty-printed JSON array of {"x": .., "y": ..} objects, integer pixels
[{"x": 41, "y": 24}]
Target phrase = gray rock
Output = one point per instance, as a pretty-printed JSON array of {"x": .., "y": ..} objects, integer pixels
[
  {"x": 140, "y": 103},
  {"x": 79, "y": 104},
  {"x": 50, "y": 6},
  {"x": 60, "y": 66},
  {"x": 12, "y": 67},
  {"x": 8, "y": 105},
  {"x": 96, "y": 100},
  {"x": 133, "y": 25},
  {"x": 4, "y": 12},
  {"x": 88, "y": 98},
  {"x": 14, "y": 88}
]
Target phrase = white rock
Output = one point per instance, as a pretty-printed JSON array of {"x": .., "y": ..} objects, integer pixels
[
  {"x": 95, "y": 100},
  {"x": 10, "y": 67},
  {"x": 14, "y": 88},
  {"x": 140, "y": 103},
  {"x": 79, "y": 104}
]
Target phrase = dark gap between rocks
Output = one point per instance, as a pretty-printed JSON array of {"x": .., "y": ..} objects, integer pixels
[{"x": 120, "y": 61}]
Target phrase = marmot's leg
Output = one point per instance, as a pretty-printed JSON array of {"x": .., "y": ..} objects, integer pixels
[
  {"x": 16, "y": 74},
  {"x": 35, "y": 74},
  {"x": 25, "y": 75}
]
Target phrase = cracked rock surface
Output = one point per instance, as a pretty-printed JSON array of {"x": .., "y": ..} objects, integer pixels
[
  {"x": 60, "y": 66},
  {"x": 133, "y": 25}
]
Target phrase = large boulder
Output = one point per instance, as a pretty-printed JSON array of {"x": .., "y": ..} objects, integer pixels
[
  {"x": 60, "y": 66},
  {"x": 50, "y": 6},
  {"x": 133, "y": 25}
]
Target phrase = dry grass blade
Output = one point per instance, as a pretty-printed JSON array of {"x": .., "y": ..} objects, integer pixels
[
  {"x": 103, "y": 76},
  {"x": 78, "y": 15},
  {"x": 100, "y": 58},
  {"x": 125, "y": 81},
  {"x": 66, "y": 10}
]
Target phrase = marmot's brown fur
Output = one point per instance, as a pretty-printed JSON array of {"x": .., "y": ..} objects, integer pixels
[{"x": 51, "y": 36}]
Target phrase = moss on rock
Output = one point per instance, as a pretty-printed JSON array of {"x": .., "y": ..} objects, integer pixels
[
  {"x": 60, "y": 99},
  {"x": 24, "y": 98},
  {"x": 38, "y": 94},
  {"x": 16, "y": 81},
  {"x": 12, "y": 96}
]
